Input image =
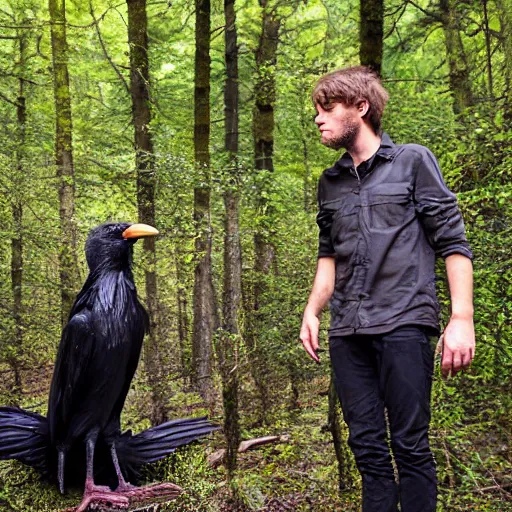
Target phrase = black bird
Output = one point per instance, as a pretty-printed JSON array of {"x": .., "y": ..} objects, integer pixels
[{"x": 97, "y": 358}]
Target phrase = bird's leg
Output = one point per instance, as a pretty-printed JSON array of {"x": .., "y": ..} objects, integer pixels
[
  {"x": 123, "y": 485},
  {"x": 90, "y": 486},
  {"x": 139, "y": 495},
  {"x": 62, "y": 456},
  {"x": 96, "y": 495}
]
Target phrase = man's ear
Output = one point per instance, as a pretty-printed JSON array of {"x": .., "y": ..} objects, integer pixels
[{"x": 363, "y": 107}]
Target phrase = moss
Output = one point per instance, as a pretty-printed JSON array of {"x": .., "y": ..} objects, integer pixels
[{"x": 22, "y": 490}]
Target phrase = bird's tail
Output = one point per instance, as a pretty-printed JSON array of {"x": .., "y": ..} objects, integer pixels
[
  {"x": 157, "y": 442},
  {"x": 24, "y": 436}
]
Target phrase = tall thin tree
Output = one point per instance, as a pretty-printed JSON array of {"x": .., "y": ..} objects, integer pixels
[
  {"x": 17, "y": 213},
  {"x": 371, "y": 33},
  {"x": 203, "y": 288},
  {"x": 505, "y": 15},
  {"x": 146, "y": 180},
  {"x": 337, "y": 429},
  {"x": 263, "y": 133},
  {"x": 488, "y": 50},
  {"x": 232, "y": 250},
  {"x": 68, "y": 267},
  {"x": 460, "y": 83}
]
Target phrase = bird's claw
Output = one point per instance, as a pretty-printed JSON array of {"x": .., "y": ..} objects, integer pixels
[
  {"x": 101, "y": 499},
  {"x": 125, "y": 488},
  {"x": 163, "y": 491}
]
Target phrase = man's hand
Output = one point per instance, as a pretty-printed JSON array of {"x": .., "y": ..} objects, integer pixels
[
  {"x": 323, "y": 287},
  {"x": 458, "y": 346},
  {"x": 309, "y": 333}
]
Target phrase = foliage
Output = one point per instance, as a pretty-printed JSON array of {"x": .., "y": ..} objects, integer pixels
[{"x": 472, "y": 420}]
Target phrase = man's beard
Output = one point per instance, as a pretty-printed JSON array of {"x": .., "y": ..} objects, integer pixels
[{"x": 347, "y": 138}]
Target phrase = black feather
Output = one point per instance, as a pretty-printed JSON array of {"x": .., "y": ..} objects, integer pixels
[{"x": 157, "y": 442}]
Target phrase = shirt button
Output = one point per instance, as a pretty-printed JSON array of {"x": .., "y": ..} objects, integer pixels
[{"x": 356, "y": 191}]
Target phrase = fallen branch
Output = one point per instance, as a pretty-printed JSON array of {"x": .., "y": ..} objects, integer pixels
[
  {"x": 497, "y": 487},
  {"x": 259, "y": 441},
  {"x": 217, "y": 457}
]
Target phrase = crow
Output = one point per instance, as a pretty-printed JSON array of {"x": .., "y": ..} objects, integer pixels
[{"x": 97, "y": 357}]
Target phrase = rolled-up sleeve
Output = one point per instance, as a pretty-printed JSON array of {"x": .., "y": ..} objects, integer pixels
[
  {"x": 437, "y": 209},
  {"x": 324, "y": 221}
]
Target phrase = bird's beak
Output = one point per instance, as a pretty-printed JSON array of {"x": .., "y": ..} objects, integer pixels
[{"x": 139, "y": 231}]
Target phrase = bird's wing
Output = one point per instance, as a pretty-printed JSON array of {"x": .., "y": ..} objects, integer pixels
[
  {"x": 70, "y": 376},
  {"x": 138, "y": 321}
]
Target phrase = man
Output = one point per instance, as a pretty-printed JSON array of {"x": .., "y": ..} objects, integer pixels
[{"x": 385, "y": 214}]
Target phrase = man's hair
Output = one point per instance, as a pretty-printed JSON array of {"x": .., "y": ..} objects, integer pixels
[{"x": 350, "y": 86}]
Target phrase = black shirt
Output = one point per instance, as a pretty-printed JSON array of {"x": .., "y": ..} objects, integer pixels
[{"x": 385, "y": 228}]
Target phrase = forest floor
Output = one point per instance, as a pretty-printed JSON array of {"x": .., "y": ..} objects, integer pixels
[
  {"x": 474, "y": 463},
  {"x": 298, "y": 474}
]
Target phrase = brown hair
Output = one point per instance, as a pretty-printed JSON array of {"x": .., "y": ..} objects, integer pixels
[{"x": 350, "y": 86}]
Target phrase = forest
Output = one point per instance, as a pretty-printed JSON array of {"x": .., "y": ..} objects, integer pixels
[{"x": 196, "y": 118}]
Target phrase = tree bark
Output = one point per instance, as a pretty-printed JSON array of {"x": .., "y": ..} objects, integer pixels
[
  {"x": 334, "y": 423},
  {"x": 183, "y": 322},
  {"x": 145, "y": 163},
  {"x": 488, "y": 50},
  {"x": 309, "y": 187},
  {"x": 229, "y": 341},
  {"x": 371, "y": 33},
  {"x": 64, "y": 157},
  {"x": 263, "y": 133},
  {"x": 203, "y": 287},
  {"x": 17, "y": 215},
  {"x": 460, "y": 84},
  {"x": 505, "y": 15},
  {"x": 265, "y": 89}
]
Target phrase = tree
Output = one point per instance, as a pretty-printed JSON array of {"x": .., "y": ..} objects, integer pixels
[
  {"x": 460, "y": 84},
  {"x": 263, "y": 133},
  {"x": 64, "y": 156},
  {"x": 232, "y": 250},
  {"x": 371, "y": 32},
  {"x": 146, "y": 179},
  {"x": 17, "y": 214},
  {"x": 204, "y": 301},
  {"x": 505, "y": 15}
]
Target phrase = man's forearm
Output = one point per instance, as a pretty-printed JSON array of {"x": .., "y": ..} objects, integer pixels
[
  {"x": 323, "y": 286},
  {"x": 322, "y": 289},
  {"x": 459, "y": 334},
  {"x": 459, "y": 270}
]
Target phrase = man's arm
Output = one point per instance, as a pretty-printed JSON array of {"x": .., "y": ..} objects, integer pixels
[
  {"x": 459, "y": 335},
  {"x": 323, "y": 286}
]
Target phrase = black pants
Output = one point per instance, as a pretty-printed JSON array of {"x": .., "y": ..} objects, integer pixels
[{"x": 392, "y": 371}]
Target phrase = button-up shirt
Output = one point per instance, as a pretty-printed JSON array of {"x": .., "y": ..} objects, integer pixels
[{"x": 385, "y": 230}]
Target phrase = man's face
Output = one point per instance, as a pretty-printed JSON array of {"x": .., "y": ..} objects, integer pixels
[{"x": 339, "y": 125}]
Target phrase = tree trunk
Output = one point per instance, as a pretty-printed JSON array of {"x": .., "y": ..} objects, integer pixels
[
  {"x": 229, "y": 342},
  {"x": 505, "y": 15},
  {"x": 183, "y": 322},
  {"x": 64, "y": 157},
  {"x": 17, "y": 215},
  {"x": 203, "y": 286},
  {"x": 265, "y": 89},
  {"x": 263, "y": 132},
  {"x": 309, "y": 194},
  {"x": 488, "y": 51},
  {"x": 334, "y": 423},
  {"x": 460, "y": 84},
  {"x": 371, "y": 33},
  {"x": 145, "y": 163}
]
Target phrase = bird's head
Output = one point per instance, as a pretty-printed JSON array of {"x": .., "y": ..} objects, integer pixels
[{"x": 111, "y": 244}]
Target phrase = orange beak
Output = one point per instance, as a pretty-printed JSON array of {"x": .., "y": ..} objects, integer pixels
[{"x": 139, "y": 231}]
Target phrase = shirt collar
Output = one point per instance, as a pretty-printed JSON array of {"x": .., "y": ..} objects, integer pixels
[{"x": 386, "y": 151}]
